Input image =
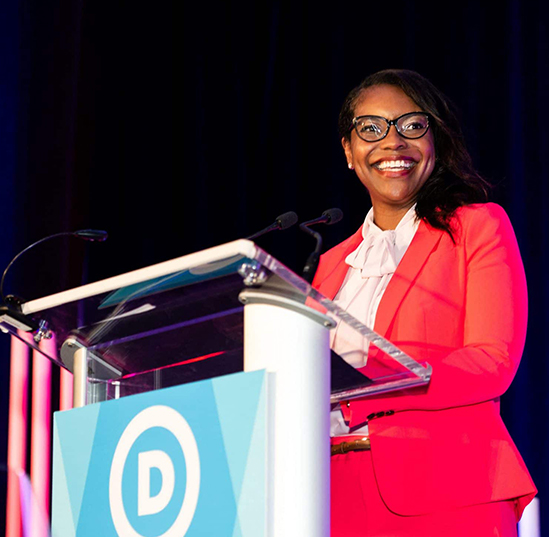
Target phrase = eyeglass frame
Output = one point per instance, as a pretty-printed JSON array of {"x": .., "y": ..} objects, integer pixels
[{"x": 389, "y": 123}]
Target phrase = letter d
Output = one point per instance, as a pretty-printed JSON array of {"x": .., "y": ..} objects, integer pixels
[{"x": 147, "y": 504}]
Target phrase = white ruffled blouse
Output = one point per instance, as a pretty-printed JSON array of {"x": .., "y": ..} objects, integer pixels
[{"x": 371, "y": 267}]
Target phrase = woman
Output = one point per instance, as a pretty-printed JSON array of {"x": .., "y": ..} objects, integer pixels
[{"x": 437, "y": 271}]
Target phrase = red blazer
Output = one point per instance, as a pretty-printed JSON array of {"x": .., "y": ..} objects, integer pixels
[{"x": 462, "y": 308}]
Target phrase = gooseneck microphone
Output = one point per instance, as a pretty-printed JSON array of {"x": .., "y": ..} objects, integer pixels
[
  {"x": 329, "y": 217},
  {"x": 282, "y": 222},
  {"x": 96, "y": 235}
]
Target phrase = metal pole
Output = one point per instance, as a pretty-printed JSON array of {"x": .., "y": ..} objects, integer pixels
[{"x": 80, "y": 377}]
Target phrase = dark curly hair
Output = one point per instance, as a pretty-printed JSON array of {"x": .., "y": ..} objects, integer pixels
[{"x": 454, "y": 181}]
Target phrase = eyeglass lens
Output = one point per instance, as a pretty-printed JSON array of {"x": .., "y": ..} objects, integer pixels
[{"x": 373, "y": 128}]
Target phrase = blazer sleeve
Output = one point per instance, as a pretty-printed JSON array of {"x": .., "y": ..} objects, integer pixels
[{"x": 494, "y": 323}]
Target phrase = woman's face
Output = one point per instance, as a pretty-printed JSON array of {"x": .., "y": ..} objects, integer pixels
[{"x": 393, "y": 185}]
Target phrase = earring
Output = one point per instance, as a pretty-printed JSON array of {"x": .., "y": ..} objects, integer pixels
[{"x": 351, "y": 167}]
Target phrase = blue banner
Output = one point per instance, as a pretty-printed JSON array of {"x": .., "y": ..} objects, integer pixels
[{"x": 183, "y": 461}]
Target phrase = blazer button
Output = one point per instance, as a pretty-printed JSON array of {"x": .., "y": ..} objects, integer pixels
[
  {"x": 389, "y": 412},
  {"x": 371, "y": 416},
  {"x": 380, "y": 414}
]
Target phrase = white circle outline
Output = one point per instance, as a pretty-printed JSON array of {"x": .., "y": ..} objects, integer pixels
[{"x": 167, "y": 418}]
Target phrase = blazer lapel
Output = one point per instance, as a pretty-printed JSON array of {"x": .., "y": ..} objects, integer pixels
[{"x": 424, "y": 241}]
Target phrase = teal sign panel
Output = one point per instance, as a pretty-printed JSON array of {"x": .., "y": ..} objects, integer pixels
[{"x": 183, "y": 461}]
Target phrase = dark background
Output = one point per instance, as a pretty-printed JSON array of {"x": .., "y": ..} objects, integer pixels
[{"x": 181, "y": 126}]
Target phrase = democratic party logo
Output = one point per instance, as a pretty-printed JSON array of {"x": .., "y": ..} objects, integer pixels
[{"x": 154, "y": 478}]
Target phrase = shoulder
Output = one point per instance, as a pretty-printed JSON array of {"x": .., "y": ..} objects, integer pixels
[
  {"x": 350, "y": 242},
  {"x": 483, "y": 228},
  {"x": 336, "y": 256},
  {"x": 342, "y": 249},
  {"x": 481, "y": 220},
  {"x": 481, "y": 212}
]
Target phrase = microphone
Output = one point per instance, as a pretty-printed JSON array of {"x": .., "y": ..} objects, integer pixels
[
  {"x": 92, "y": 235},
  {"x": 282, "y": 222},
  {"x": 329, "y": 217},
  {"x": 10, "y": 312}
]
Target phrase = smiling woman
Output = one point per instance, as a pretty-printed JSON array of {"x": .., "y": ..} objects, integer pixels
[
  {"x": 424, "y": 271},
  {"x": 394, "y": 166}
]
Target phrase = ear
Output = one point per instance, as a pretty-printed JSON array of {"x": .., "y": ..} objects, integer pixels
[{"x": 348, "y": 151}]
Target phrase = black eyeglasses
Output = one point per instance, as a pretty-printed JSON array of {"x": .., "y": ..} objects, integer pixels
[{"x": 374, "y": 128}]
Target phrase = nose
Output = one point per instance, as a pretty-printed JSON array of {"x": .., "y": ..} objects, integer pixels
[{"x": 393, "y": 140}]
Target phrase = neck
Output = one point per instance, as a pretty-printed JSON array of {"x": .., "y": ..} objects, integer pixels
[{"x": 389, "y": 217}]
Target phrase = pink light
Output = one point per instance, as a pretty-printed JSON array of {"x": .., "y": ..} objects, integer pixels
[
  {"x": 41, "y": 432},
  {"x": 190, "y": 361},
  {"x": 65, "y": 390},
  {"x": 17, "y": 431}
]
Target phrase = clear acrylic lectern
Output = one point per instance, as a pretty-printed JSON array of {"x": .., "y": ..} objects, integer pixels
[{"x": 227, "y": 309}]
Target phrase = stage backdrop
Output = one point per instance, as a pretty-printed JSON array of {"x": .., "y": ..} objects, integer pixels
[{"x": 177, "y": 127}]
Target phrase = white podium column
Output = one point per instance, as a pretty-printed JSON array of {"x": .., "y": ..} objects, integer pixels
[{"x": 291, "y": 341}]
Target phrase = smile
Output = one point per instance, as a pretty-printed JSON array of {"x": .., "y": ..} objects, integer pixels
[{"x": 394, "y": 165}]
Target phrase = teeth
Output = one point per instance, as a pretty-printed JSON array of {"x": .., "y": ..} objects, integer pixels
[{"x": 395, "y": 164}]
